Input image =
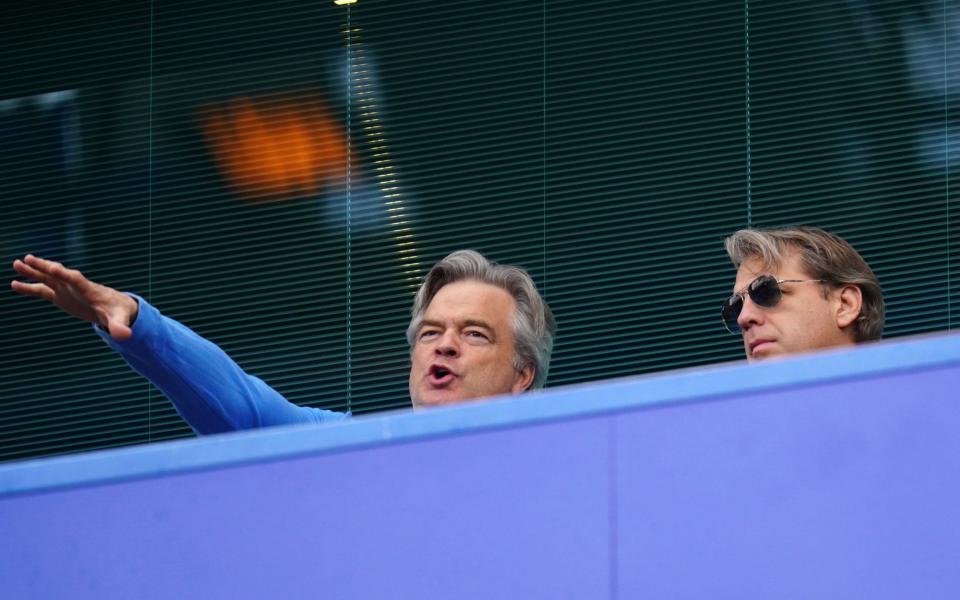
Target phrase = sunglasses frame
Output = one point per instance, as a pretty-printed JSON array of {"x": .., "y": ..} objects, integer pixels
[{"x": 743, "y": 293}]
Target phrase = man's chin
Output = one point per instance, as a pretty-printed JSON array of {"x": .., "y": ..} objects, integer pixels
[{"x": 436, "y": 397}]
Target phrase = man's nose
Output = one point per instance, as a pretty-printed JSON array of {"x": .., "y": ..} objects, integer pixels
[
  {"x": 751, "y": 314},
  {"x": 448, "y": 344}
]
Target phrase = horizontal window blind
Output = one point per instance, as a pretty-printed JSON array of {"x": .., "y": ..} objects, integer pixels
[{"x": 280, "y": 177}]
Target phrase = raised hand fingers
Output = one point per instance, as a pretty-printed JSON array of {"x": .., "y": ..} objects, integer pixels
[
  {"x": 53, "y": 269},
  {"x": 27, "y": 271},
  {"x": 37, "y": 290},
  {"x": 65, "y": 288}
]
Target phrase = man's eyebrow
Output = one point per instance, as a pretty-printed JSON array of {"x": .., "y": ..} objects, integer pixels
[
  {"x": 477, "y": 323},
  {"x": 428, "y": 323}
]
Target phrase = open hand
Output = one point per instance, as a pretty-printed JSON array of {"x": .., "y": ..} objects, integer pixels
[{"x": 74, "y": 294}]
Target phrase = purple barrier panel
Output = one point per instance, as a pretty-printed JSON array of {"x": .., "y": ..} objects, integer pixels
[
  {"x": 519, "y": 513},
  {"x": 831, "y": 475},
  {"x": 844, "y": 489}
]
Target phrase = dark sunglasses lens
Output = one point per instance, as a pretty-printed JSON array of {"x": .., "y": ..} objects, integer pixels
[
  {"x": 730, "y": 312},
  {"x": 765, "y": 291}
]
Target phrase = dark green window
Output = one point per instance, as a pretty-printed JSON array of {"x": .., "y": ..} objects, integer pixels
[{"x": 278, "y": 178}]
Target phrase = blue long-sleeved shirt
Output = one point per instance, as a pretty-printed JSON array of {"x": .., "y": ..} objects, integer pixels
[{"x": 209, "y": 390}]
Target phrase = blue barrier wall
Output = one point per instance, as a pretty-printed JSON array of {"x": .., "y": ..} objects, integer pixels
[{"x": 833, "y": 475}]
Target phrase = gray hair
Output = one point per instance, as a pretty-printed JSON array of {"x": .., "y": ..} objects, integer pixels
[
  {"x": 533, "y": 323},
  {"x": 822, "y": 255}
]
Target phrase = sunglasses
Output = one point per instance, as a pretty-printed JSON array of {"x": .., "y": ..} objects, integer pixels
[{"x": 763, "y": 291}]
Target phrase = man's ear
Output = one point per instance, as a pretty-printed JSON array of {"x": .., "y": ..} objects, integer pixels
[
  {"x": 850, "y": 305},
  {"x": 524, "y": 379}
]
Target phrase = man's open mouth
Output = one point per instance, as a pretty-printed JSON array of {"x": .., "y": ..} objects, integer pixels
[{"x": 440, "y": 374}]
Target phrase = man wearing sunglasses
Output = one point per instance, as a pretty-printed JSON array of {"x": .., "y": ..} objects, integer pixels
[{"x": 800, "y": 289}]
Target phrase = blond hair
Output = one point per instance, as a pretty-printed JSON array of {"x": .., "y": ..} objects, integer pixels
[{"x": 822, "y": 255}]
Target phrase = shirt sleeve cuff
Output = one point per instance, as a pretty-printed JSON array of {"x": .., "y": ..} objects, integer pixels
[{"x": 143, "y": 327}]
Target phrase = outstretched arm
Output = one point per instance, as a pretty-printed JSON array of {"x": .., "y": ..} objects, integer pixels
[{"x": 209, "y": 390}]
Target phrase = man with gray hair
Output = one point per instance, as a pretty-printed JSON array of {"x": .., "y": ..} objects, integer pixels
[
  {"x": 800, "y": 289},
  {"x": 478, "y": 329}
]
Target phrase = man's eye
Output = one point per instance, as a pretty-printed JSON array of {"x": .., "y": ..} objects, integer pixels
[
  {"x": 476, "y": 335},
  {"x": 427, "y": 334}
]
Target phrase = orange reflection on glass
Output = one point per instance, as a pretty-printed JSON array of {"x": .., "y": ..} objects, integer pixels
[{"x": 275, "y": 148}]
